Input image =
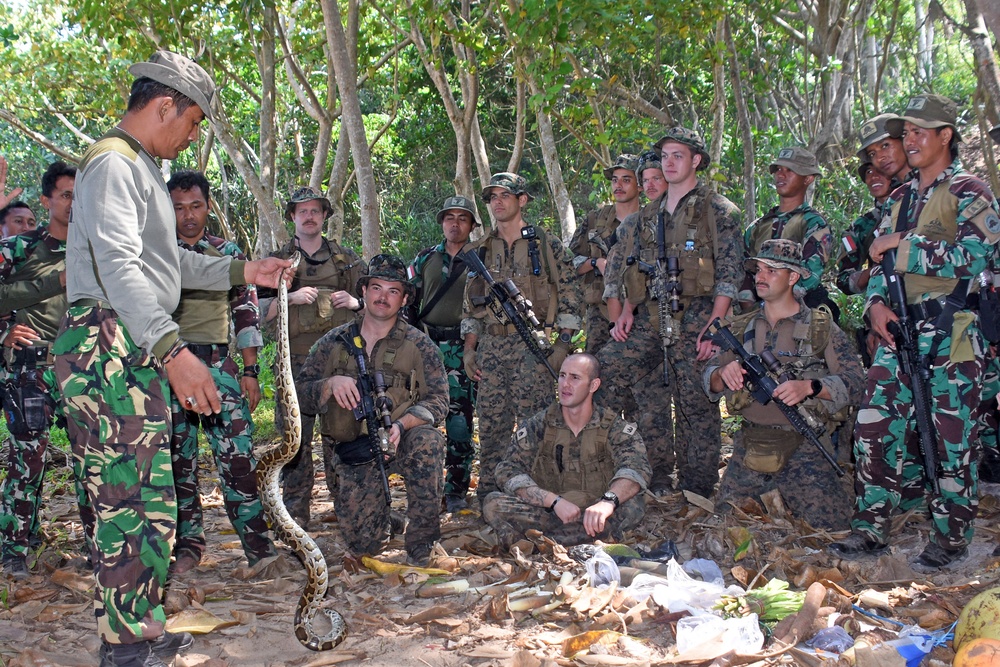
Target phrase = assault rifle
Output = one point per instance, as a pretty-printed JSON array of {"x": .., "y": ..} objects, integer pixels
[
  {"x": 508, "y": 304},
  {"x": 375, "y": 407},
  {"x": 762, "y": 386},
  {"x": 913, "y": 364}
]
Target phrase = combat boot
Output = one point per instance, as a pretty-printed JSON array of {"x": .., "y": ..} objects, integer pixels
[
  {"x": 857, "y": 545},
  {"x": 165, "y": 648},
  {"x": 16, "y": 567},
  {"x": 139, "y": 654},
  {"x": 935, "y": 557}
]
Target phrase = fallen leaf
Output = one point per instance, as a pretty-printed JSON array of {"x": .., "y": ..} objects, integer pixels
[
  {"x": 583, "y": 642},
  {"x": 383, "y": 568},
  {"x": 197, "y": 621},
  {"x": 73, "y": 581},
  {"x": 700, "y": 501},
  {"x": 430, "y": 614}
]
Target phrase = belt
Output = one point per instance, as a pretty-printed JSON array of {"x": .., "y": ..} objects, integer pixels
[
  {"x": 498, "y": 329},
  {"x": 207, "y": 352},
  {"x": 925, "y": 310},
  {"x": 440, "y": 334},
  {"x": 91, "y": 303},
  {"x": 39, "y": 354}
]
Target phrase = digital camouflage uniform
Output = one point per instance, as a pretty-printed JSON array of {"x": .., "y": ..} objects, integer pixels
[
  {"x": 204, "y": 318},
  {"x": 333, "y": 268},
  {"x": 637, "y": 363},
  {"x": 418, "y": 386},
  {"x": 430, "y": 271},
  {"x": 31, "y": 294},
  {"x": 931, "y": 256},
  {"x": 809, "y": 346},
  {"x": 545, "y": 453}
]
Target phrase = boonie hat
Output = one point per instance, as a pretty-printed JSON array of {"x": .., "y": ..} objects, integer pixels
[
  {"x": 779, "y": 254},
  {"x": 182, "y": 74},
  {"x": 623, "y": 161},
  {"x": 507, "y": 181},
  {"x": 303, "y": 195},
  {"x": 927, "y": 111},
  {"x": 649, "y": 160},
  {"x": 863, "y": 168},
  {"x": 461, "y": 203},
  {"x": 873, "y": 131},
  {"x": 690, "y": 138},
  {"x": 798, "y": 159},
  {"x": 386, "y": 267}
]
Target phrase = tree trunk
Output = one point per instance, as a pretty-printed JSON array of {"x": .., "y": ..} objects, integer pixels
[
  {"x": 550, "y": 155},
  {"x": 743, "y": 120},
  {"x": 338, "y": 184},
  {"x": 719, "y": 101},
  {"x": 986, "y": 63}
]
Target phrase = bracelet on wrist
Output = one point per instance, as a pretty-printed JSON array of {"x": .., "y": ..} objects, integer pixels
[
  {"x": 173, "y": 351},
  {"x": 552, "y": 507},
  {"x": 402, "y": 429}
]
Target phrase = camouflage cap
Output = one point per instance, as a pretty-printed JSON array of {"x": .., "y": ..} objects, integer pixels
[
  {"x": 873, "y": 131},
  {"x": 509, "y": 182},
  {"x": 461, "y": 203},
  {"x": 798, "y": 159},
  {"x": 386, "y": 267},
  {"x": 927, "y": 111},
  {"x": 690, "y": 138},
  {"x": 649, "y": 160},
  {"x": 863, "y": 168},
  {"x": 303, "y": 195},
  {"x": 182, "y": 74},
  {"x": 779, "y": 254},
  {"x": 623, "y": 161}
]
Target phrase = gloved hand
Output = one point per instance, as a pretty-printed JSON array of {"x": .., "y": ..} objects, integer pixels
[
  {"x": 471, "y": 367},
  {"x": 558, "y": 354}
]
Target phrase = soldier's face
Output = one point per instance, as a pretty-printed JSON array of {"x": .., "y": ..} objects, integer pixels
[
  {"x": 888, "y": 156},
  {"x": 575, "y": 385},
  {"x": 679, "y": 163},
  {"x": 383, "y": 298},
  {"x": 878, "y": 183},
  {"x": 175, "y": 132},
  {"x": 308, "y": 218},
  {"x": 789, "y": 184},
  {"x": 457, "y": 225},
  {"x": 772, "y": 283},
  {"x": 19, "y": 221},
  {"x": 191, "y": 211},
  {"x": 61, "y": 201},
  {"x": 653, "y": 183},
  {"x": 925, "y": 147},
  {"x": 505, "y": 205},
  {"x": 624, "y": 186}
]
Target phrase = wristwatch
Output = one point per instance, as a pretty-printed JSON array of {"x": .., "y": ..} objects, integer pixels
[
  {"x": 817, "y": 387},
  {"x": 611, "y": 497},
  {"x": 251, "y": 371}
]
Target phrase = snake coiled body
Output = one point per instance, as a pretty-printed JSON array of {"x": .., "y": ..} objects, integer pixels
[{"x": 268, "y": 480}]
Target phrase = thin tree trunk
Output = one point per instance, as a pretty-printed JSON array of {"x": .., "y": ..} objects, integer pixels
[
  {"x": 743, "y": 120},
  {"x": 719, "y": 101},
  {"x": 982, "y": 48},
  {"x": 550, "y": 155},
  {"x": 338, "y": 185}
]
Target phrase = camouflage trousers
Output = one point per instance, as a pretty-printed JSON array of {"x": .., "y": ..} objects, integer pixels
[
  {"x": 31, "y": 408},
  {"x": 116, "y": 401},
  {"x": 988, "y": 422},
  {"x": 696, "y": 427},
  {"x": 890, "y": 473},
  {"x": 298, "y": 475},
  {"x": 510, "y": 517},
  {"x": 458, "y": 424},
  {"x": 229, "y": 434},
  {"x": 598, "y": 333},
  {"x": 513, "y": 387},
  {"x": 361, "y": 505},
  {"x": 808, "y": 485}
]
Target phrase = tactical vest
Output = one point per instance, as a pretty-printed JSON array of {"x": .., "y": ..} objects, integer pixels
[
  {"x": 764, "y": 230},
  {"x": 401, "y": 365},
  {"x": 562, "y": 467},
  {"x": 542, "y": 290},
  {"x": 44, "y": 316},
  {"x": 447, "y": 312},
  {"x": 938, "y": 221},
  {"x": 203, "y": 315},
  {"x": 600, "y": 238}
]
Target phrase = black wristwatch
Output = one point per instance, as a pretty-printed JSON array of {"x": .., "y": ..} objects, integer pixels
[
  {"x": 251, "y": 371},
  {"x": 611, "y": 497},
  {"x": 817, "y": 387}
]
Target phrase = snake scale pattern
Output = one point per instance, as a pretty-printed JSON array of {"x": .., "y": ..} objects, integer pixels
[{"x": 268, "y": 481}]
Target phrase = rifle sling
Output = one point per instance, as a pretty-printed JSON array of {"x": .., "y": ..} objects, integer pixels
[{"x": 453, "y": 276}]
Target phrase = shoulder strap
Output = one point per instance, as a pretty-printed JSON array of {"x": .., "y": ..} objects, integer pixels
[
  {"x": 819, "y": 330},
  {"x": 457, "y": 269}
]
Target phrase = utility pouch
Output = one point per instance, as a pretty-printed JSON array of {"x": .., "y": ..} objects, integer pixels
[
  {"x": 29, "y": 408},
  {"x": 768, "y": 449},
  {"x": 961, "y": 343},
  {"x": 317, "y": 317},
  {"x": 357, "y": 452},
  {"x": 634, "y": 281}
]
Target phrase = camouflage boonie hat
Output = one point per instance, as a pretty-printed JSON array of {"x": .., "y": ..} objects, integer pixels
[
  {"x": 927, "y": 111},
  {"x": 624, "y": 161},
  {"x": 461, "y": 203},
  {"x": 510, "y": 182},
  {"x": 649, "y": 160},
  {"x": 301, "y": 196},
  {"x": 873, "y": 131},
  {"x": 690, "y": 138},
  {"x": 798, "y": 159},
  {"x": 386, "y": 267},
  {"x": 779, "y": 254}
]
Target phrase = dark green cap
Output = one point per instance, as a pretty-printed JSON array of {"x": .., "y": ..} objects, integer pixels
[
  {"x": 461, "y": 203},
  {"x": 927, "y": 111},
  {"x": 798, "y": 159}
]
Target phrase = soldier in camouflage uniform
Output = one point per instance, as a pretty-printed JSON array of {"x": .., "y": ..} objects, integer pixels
[
  {"x": 702, "y": 230},
  {"x": 204, "y": 317},
  {"x": 575, "y": 470},
  {"x": 594, "y": 239},
  {"x": 16, "y": 218},
  {"x": 32, "y": 303},
  {"x": 319, "y": 300},
  {"x": 118, "y": 355},
  {"x": 944, "y": 226},
  {"x": 438, "y": 276},
  {"x": 823, "y": 376},
  {"x": 418, "y": 389},
  {"x": 651, "y": 173}
]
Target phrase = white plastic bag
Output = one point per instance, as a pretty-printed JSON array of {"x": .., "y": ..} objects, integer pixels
[
  {"x": 682, "y": 593},
  {"x": 602, "y": 570},
  {"x": 741, "y": 634}
]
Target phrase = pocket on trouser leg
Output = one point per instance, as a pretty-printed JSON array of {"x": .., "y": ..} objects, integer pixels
[{"x": 768, "y": 449}]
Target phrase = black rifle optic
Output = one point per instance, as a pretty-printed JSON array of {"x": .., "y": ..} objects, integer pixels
[
  {"x": 913, "y": 365},
  {"x": 375, "y": 407},
  {"x": 508, "y": 304},
  {"x": 762, "y": 386}
]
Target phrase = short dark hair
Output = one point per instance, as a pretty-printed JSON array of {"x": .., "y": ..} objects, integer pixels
[
  {"x": 189, "y": 180},
  {"x": 6, "y": 210},
  {"x": 56, "y": 170},
  {"x": 145, "y": 90},
  {"x": 953, "y": 142}
]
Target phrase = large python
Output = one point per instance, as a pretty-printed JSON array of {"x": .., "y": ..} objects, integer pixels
[{"x": 268, "y": 481}]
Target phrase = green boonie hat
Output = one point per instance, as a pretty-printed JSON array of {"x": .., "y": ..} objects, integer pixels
[
  {"x": 182, "y": 74},
  {"x": 798, "y": 159},
  {"x": 863, "y": 168},
  {"x": 875, "y": 130},
  {"x": 690, "y": 138},
  {"x": 461, "y": 203},
  {"x": 386, "y": 267},
  {"x": 623, "y": 161},
  {"x": 927, "y": 111},
  {"x": 779, "y": 254},
  {"x": 508, "y": 181},
  {"x": 301, "y": 196}
]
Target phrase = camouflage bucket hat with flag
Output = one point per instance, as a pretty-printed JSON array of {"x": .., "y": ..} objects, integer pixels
[
  {"x": 507, "y": 181},
  {"x": 386, "y": 267},
  {"x": 460, "y": 203},
  {"x": 874, "y": 131},
  {"x": 928, "y": 111},
  {"x": 624, "y": 161},
  {"x": 798, "y": 159},
  {"x": 689, "y": 138},
  {"x": 301, "y": 196},
  {"x": 779, "y": 254}
]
